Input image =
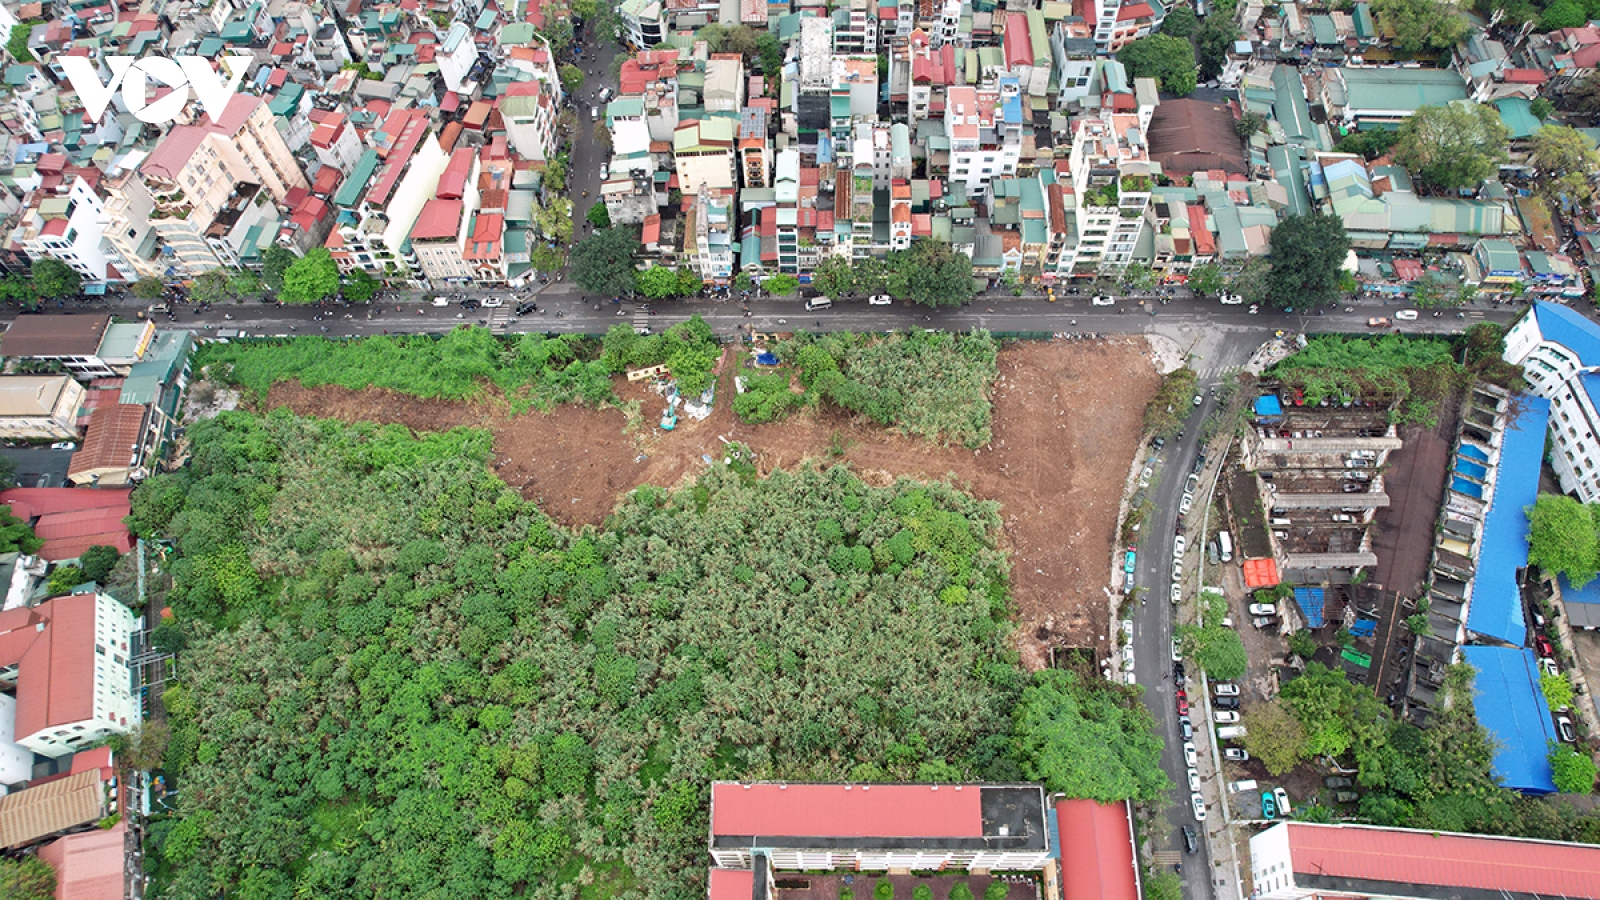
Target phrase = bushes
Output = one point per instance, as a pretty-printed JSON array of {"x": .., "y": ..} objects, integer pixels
[
  {"x": 883, "y": 890},
  {"x": 1172, "y": 403}
]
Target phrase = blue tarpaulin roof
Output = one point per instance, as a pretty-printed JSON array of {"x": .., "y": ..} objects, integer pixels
[
  {"x": 1474, "y": 452},
  {"x": 1364, "y": 627},
  {"x": 1496, "y": 602},
  {"x": 1310, "y": 601},
  {"x": 1511, "y": 706},
  {"x": 1268, "y": 405},
  {"x": 766, "y": 359},
  {"x": 1463, "y": 486},
  {"x": 1471, "y": 469}
]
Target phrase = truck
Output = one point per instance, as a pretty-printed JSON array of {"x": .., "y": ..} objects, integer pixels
[{"x": 1224, "y": 546}]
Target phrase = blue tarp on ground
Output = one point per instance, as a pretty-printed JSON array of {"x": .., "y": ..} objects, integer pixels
[
  {"x": 1310, "y": 601},
  {"x": 1496, "y": 603},
  {"x": 1472, "y": 469},
  {"x": 1511, "y": 706},
  {"x": 766, "y": 359},
  {"x": 1268, "y": 406},
  {"x": 1462, "y": 486},
  {"x": 1474, "y": 452},
  {"x": 1364, "y": 627}
]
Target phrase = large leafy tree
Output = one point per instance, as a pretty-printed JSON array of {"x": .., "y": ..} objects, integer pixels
[
  {"x": 275, "y": 261},
  {"x": 1422, "y": 25},
  {"x": 1092, "y": 741},
  {"x": 658, "y": 282},
  {"x": 28, "y": 878},
  {"x": 1212, "y": 42},
  {"x": 1274, "y": 736},
  {"x": 1168, "y": 59},
  {"x": 148, "y": 288},
  {"x": 1566, "y": 161},
  {"x": 1180, "y": 22},
  {"x": 210, "y": 286},
  {"x": 931, "y": 273},
  {"x": 1456, "y": 145},
  {"x": 15, "y": 535},
  {"x": 1206, "y": 279},
  {"x": 54, "y": 278},
  {"x": 603, "y": 262},
  {"x": 1573, "y": 772},
  {"x": 359, "y": 287},
  {"x": 1561, "y": 538},
  {"x": 571, "y": 78},
  {"x": 1252, "y": 282},
  {"x": 1308, "y": 253},
  {"x": 313, "y": 277}
]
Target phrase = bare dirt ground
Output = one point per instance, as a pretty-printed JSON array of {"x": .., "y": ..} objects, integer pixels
[{"x": 1066, "y": 423}]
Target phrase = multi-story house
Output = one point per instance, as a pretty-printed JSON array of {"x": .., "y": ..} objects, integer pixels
[
  {"x": 1559, "y": 352},
  {"x": 1110, "y": 182},
  {"x": 66, "y": 662},
  {"x": 703, "y": 152},
  {"x": 68, "y": 225},
  {"x": 335, "y": 141},
  {"x": 383, "y": 198},
  {"x": 642, "y": 23},
  {"x": 855, "y": 27},
  {"x": 651, "y": 77},
  {"x": 755, "y": 148},
  {"x": 708, "y": 236},
  {"x": 457, "y": 58},
  {"x": 724, "y": 84},
  {"x": 984, "y": 130},
  {"x": 529, "y": 110}
]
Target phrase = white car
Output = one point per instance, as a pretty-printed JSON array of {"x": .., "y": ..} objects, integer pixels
[
  {"x": 1282, "y": 796},
  {"x": 1231, "y": 299},
  {"x": 1177, "y": 593},
  {"x": 1189, "y": 756},
  {"x": 1255, "y": 308},
  {"x": 492, "y": 302},
  {"x": 1263, "y": 609},
  {"x": 1225, "y": 717},
  {"x": 1177, "y": 652},
  {"x": 1179, "y": 544},
  {"x": 1548, "y": 665},
  {"x": 1199, "y": 804},
  {"x": 1234, "y": 754},
  {"x": 1127, "y": 657},
  {"x": 880, "y": 300},
  {"x": 1186, "y": 505},
  {"x": 441, "y": 301},
  {"x": 1198, "y": 399},
  {"x": 1177, "y": 570},
  {"x": 1194, "y": 779},
  {"x": 64, "y": 445},
  {"x": 605, "y": 171},
  {"x": 1226, "y": 689},
  {"x": 1127, "y": 629},
  {"x": 1406, "y": 315},
  {"x": 1103, "y": 300}
]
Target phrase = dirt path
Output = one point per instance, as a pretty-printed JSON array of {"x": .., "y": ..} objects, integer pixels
[{"x": 1067, "y": 421}]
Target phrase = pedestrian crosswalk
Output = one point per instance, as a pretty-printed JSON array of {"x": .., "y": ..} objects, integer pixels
[
  {"x": 500, "y": 319},
  {"x": 641, "y": 317}
]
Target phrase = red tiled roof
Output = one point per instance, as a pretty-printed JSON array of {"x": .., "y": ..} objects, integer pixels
[
  {"x": 406, "y": 128},
  {"x": 1525, "y": 76},
  {"x": 1135, "y": 11},
  {"x": 88, "y": 866},
  {"x": 55, "y": 677},
  {"x": 834, "y": 810},
  {"x": 1097, "y": 860},
  {"x": 1493, "y": 864},
  {"x": 651, "y": 232},
  {"x": 1259, "y": 573},
  {"x": 731, "y": 884},
  {"x": 1205, "y": 244},
  {"x": 440, "y": 219},
  {"x": 1407, "y": 269},
  {"x": 55, "y": 514},
  {"x": 453, "y": 183},
  {"x": 1018, "y": 48}
]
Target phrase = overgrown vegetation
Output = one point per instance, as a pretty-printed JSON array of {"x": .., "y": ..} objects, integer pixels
[
  {"x": 531, "y": 369},
  {"x": 1564, "y": 538},
  {"x": 15, "y": 535},
  {"x": 688, "y": 349},
  {"x": 1218, "y": 650},
  {"x": 388, "y": 650},
  {"x": 929, "y": 385},
  {"x": 1172, "y": 403}
]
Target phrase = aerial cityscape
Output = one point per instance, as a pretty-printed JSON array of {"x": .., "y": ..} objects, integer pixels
[{"x": 799, "y": 450}]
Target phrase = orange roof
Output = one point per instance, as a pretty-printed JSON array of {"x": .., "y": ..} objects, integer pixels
[
  {"x": 1260, "y": 573},
  {"x": 113, "y": 429},
  {"x": 1097, "y": 858},
  {"x": 89, "y": 865},
  {"x": 52, "y": 646}
]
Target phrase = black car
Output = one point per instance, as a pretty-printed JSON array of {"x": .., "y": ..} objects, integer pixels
[
  {"x": 1225, "y": 702},
  {"x": 526, "y": 307},
  {"x": 471, "y": 303},
  {"x": 1191, "y": 841},
  {"x": 1177, "y": 671}
]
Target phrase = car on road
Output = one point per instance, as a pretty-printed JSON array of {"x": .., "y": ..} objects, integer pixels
[
  {"x": 63, "y": 445},
  {"x": 1130, "y": 561},
  {"x": 594, "y": 112},
  {"x": 1127, "y": 657},
  {"x": 1406, "y": 315},
  {"x": 1186, "y": 728},
  {"x": 1269, "y": 806},
  {"x": 1194, "y": 779},
  {"x": 1225, "y": 702},
  {"x": 1225, "y": 717},
  {"x": 1177, "y": 570},
  {"x": 1177, "y": 651},
  {"x": 1191, "y": 840},
  {"x": 1183, "y": 703},
  {"x": 1198, "y": 399},
  {"x": 1179, "y": 544},
  {"x": 1235, "y": 754},
  {"x": 441, "y": 301},
  {"x": 1103, "y": 300},
  {"x": 1264, "y": 621},
  {"x": 1225, "y": 689},
  {"x": 1282, "y": 796},
  {"x": 1177, "y": 593},
  {"x": 880, "y": 300},
  {"x": 1127, "y": 629},
  {"x": 1189, "y": 756},
  {"x": 1199, "y": 804},
  {"x": 1378, "y": 322},
  {"x": 1337, "y": 781},
  {"x": 1549, "y": 667},
  {"x": 1192, "y": 483},
  {"x": 1263, "y": 609},
  {"x": 1178, "y": 673},
  {"x": 1186, "y": 504},
  {"x": 1564, "y": 728},
  {"x": 1255, "y": 309},
  {"x": 1231, "y": 299},
  {"x": 493, "y": 302},
  {"x": 1543, "y": 645},
  {"x": 527, "y": 306}
]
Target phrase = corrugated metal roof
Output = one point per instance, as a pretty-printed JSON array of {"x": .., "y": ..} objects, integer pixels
[
  {"x": 40, "y": 812},
  {"x": 1097, "y": 858},
  {"x": 1406, "y": 857},
  {"x": 836, "y": 810}
]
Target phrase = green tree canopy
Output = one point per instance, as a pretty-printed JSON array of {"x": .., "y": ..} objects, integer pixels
[
  {"x": 54, "y": 278},
  {"x": 931, "y": 273},
  {"x": 602, "y": 262},
  {"x": 1088, "y": 741},
  {"x": 1557, "y": 689},
  {"x": 658, "y": 282},
  {"x": 275, "y": 261},
  {"x": 1372, "y": 143},
  {"x": 98, "y": 561},
  {"x": 1563, "y": 14},
  {"x": 1457, "y": 145},
  {"x": 598, "y": 215},
  {"x": 1422, "y": 25},
  {"x": 1565, "y": 160},
  {"x": 1561, "y": 538},
  {"x": 29, "y": 878},
  {"x": 571, "y": 78},
  {"x": 359, "y": 287},
  {"x": 1275, "y": 737},
  {"x": 210, "y": 286},
  {"x": 1308, "y": 252},
  {"x": 1180, "y": 22},
  {"x": 1573, "y": 772},
  {"x": 1206, "y": 279},
  {"x": 15, "y": 535},
  {"x": 311, "y": 278},
  {"x": 148, "y": 288},
  {"x": 1212, "y": 42},
  {"x": 1168, "y": 59}
]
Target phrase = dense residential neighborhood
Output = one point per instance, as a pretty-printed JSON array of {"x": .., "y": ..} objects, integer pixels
[{"x": 684, "y": 449}]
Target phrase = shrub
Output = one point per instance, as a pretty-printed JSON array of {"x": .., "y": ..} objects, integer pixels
[
  {"x": 996, "y": 890},
  {"x": 884, "y": 890},
  {"x": 922, "y": 892},
  {"x": 960, "y": 891}
]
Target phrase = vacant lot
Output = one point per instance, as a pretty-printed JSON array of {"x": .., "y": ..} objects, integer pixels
[{"x": 1066, "y": 427}]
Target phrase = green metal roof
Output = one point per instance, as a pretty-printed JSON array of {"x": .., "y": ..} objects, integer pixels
[
  {"x": 16, "y": 76},
  {"x": 516, "y": 34},
  {"x": 485, "y": 21},
  {"x": 1405, "y": 90},
  {"x": 1517, "y": 114},
  {"x": 238, "y": 32},
  {"x": 210, "y": 47},
  {"x": 1322, "y": 31},
  {"x": 356, "y": 184}
]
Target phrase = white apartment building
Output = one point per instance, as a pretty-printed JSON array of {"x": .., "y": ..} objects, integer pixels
[
  {"x": 855, "y": 27},
  {"x": 725, "y": 84},
  {"x": 67, "y": 662},
  {"x": 456, "y": 56},
  {"x": 436, "y": 242},
  {"x": 1111, "y": 181},
  {"x": 40, "y": 407},
  {"x": 713, "y": 231},
  {"x": 704, "y": 154},
  {"x": 642, "y": 23},
  {"x": 336, "y": 143},
  {"x": 984, "y": 128},
  {"x": 529, "y": 109},
  {"x": 1559, "y": 352},
  {"x": 379, "y": 208},
  {"x": 68, "y": 226}
]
